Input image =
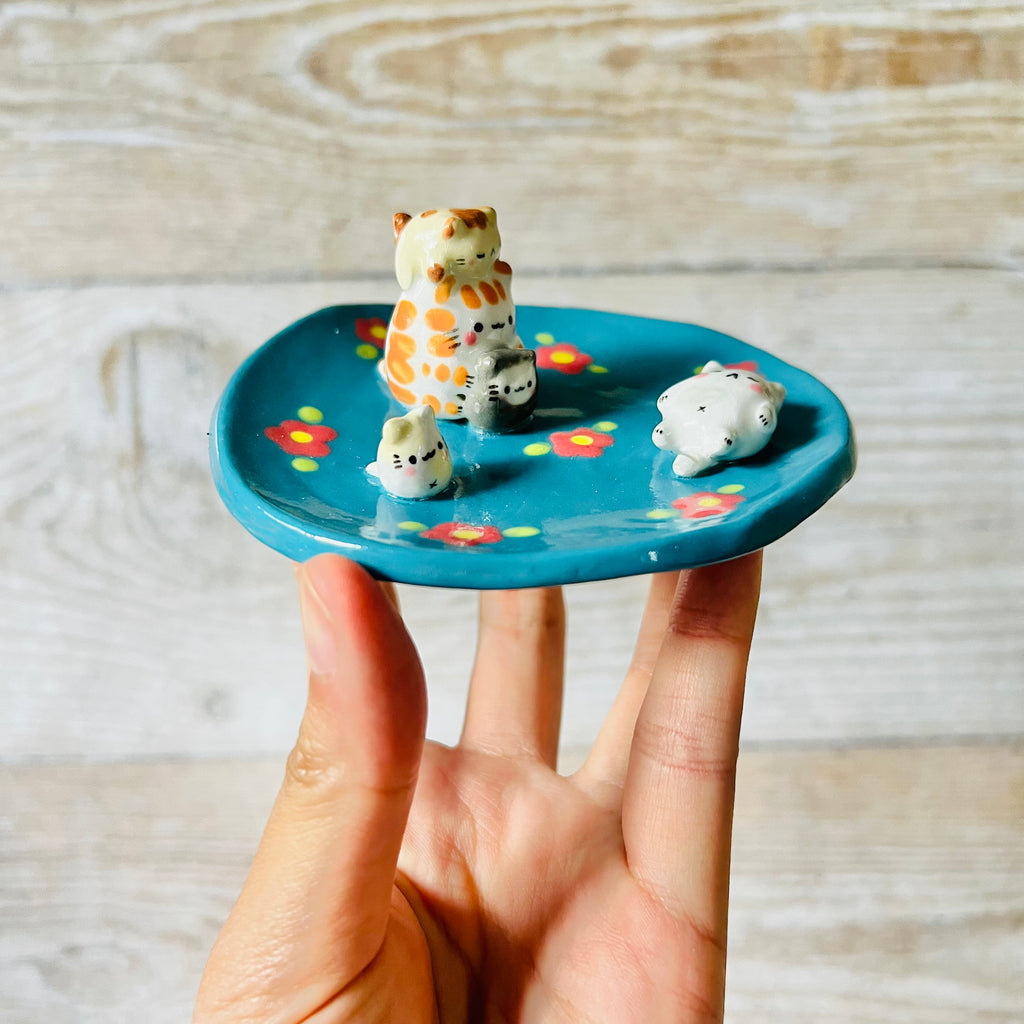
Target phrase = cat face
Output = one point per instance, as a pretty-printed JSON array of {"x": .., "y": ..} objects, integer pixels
[
  {"x": 465, "y": 243},
  {"x": 412, "y": 458},
  {"x": 504, "y": 392},
  {"x": 494, "y": 328}
]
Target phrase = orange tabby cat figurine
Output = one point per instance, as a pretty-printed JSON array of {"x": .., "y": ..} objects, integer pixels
[{"x": 455, "y": 305}]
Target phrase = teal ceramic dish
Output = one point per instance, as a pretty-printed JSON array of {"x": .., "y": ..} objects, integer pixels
[{"x": 580, "y": 494}]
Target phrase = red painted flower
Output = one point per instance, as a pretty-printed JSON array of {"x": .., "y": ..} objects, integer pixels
[
  {"x": 298, "y": 438},
  {"x": 463, "y": 534},
  {"x": 700, "y": 506},
  {"x": 372, "y": 329},
  {"x": 581, "y": 443},
  {"x": 563, "y": 357}
]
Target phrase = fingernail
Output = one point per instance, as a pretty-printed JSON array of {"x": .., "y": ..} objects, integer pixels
[{"x": 317, "y": 628}]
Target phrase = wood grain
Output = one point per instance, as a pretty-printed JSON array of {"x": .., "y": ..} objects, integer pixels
[
  {"x": 140, "y": 619},
  {"x": 868, "y": 885},
  {"x": 239, "y": 141}
]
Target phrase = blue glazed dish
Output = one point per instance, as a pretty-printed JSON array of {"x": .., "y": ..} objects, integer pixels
[{"x": 580, "y": 494}]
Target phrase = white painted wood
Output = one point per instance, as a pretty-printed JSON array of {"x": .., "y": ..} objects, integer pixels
[
  {"x": 231, "y": 140},
  {"x": 139, "y": 619},
  {"x": 868, "y": 885}
]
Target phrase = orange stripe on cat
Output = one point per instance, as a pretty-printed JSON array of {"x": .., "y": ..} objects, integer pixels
[
  {"x": 459, "y": 377},
  {"x": 444, "y": 290},
  {"x": 426, "y": 369},
  {"x": 405, "y": 315},
  {"x": 432, "y": 402},
  {"x": 488, "y": 293},
  {"x": 500, "y": 290},
  {"x": 451, "y": 408},
  {"x": 502, "y": 267},
  {"x": 470, "y": 299},
  {"x": 443, "y": 372},
  {"x": 439, "y": 319},
  {"x": 405, "y": 397},
  {"x": 441, "y": 345},
  {"x": 400, "y": 347}
]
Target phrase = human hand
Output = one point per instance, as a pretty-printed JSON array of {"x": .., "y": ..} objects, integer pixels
[{"x": 405, "y": 883}]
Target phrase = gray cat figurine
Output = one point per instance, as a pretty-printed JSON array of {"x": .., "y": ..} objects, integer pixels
[{"x": 503, "y": 393}]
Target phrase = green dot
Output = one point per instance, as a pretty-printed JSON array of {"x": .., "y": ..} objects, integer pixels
[
  {"x": 597, "y": 369},
  {"x": 521, "y": 531},
  {"x": 544, "y": 338},
  {"x": 538, "y": 448},
  {"x": 411, "y": 526},
  {"x": 606, "y": 426},
  {"x": 305, "y": 465},
  {"x": 730, "y": 489},
  {"x": 367, "y": 351},
  {"x": 310, "y": 414},
  {"x": 662, "y": 513}
]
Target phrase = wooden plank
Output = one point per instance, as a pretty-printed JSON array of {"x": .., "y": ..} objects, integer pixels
[
  {"x": 137, "y": 618},
  {"x": 232, "y": 141},
  {"x": 868, "y": 885}
]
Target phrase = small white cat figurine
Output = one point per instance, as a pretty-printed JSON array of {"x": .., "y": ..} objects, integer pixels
[
  {"x": 719, "y": 415},
  {"x": 412, "y": 458}
]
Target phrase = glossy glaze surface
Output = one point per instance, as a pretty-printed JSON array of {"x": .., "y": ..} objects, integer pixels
[{"x": 580, "y": 494}]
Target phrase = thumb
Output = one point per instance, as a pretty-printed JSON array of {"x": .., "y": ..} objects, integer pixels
[{"x": 314, "y": 909}]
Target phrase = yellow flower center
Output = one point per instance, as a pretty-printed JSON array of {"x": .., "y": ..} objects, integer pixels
[
  {"x": 467, "y": 533},
  {"x": 562, "y": 357},
  {"x": 300, "y": 437},
  {"x": 379, "y": 331},
  {"x": 709, "y": 502},
  {"x": 582, "y": 439}
]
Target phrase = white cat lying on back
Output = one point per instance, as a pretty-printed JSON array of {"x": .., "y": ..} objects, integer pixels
[{"x": 719, "y": 415}]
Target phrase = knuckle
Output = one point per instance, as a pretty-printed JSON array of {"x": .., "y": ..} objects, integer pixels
[
  {"x": 701, "y": 750},
  {"x": 310, "y": 765},
  {"x": 700, "y": 623}
]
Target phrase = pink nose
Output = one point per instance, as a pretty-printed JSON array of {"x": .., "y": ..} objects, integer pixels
[{"x": 470, "y": 337}]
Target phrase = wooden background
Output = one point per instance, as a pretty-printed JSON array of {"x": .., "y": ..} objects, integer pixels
[{"x": 840, "y": 183}]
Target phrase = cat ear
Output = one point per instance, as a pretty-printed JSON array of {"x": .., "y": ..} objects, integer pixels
[
  {"x": 448, "y": 230},
  {"x": 401, "y": 219},
  {"x": 422, "y": 418},
  {"x": 712, "y": 367},
  {"x": 395, "y": 430}
]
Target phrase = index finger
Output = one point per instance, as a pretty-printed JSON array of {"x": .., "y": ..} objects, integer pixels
[{"x": 678, "y": 797}]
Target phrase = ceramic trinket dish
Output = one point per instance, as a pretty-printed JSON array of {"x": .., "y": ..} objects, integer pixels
[
  {"x": 719, "y": 415},
  {"x": 455, "y": 307},
  {"x": 578, "y": 493},
  {"x": 412, "y": 459}
]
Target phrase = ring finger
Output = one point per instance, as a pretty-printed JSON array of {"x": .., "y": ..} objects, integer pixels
[{"x": 515, "y": 692}]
